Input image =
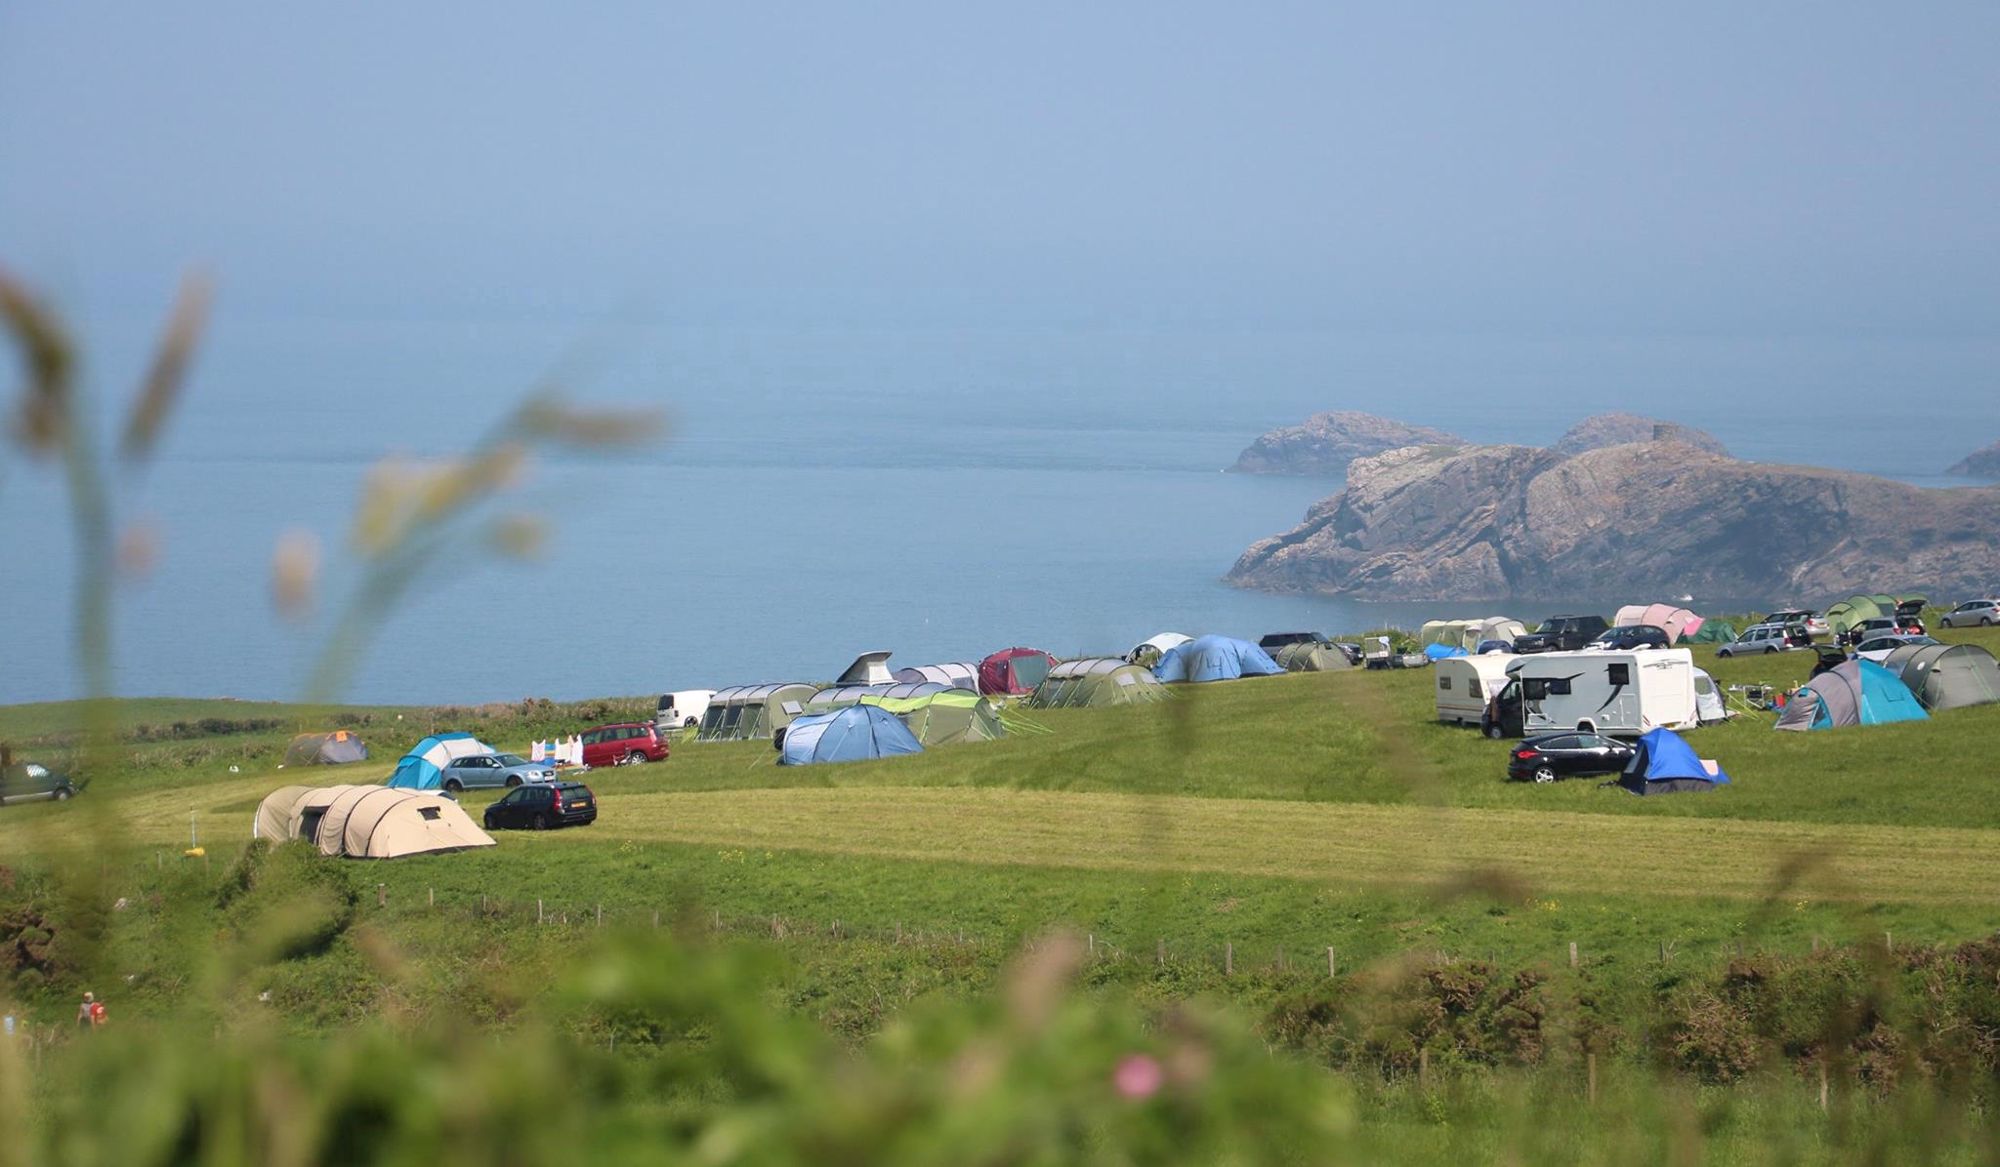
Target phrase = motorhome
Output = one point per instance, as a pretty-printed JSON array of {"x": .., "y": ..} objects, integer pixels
[
  {"x": 1465, "y": 684},
  {"x": 1623, "y": 693}
]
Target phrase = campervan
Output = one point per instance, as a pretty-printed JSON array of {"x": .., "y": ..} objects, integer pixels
[
  {"x": 682, "y": 709},
  {"x": 1623, "y": 693},
  {"x": 1465, "y": 684}
]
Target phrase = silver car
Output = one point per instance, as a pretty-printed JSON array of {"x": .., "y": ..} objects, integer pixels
[
  {"x": 491, "y": 770},
  {"x": 1972, "y": 613},
  {"x": 1756, "y": 639}
]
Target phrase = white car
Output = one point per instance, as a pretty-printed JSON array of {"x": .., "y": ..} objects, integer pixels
[
  {"x": 1878, "y": 648},
  {"x": 1816, "y": 625},
  {"x": 1758, "y": 638},
  {"x": 1972, "y": 613}
]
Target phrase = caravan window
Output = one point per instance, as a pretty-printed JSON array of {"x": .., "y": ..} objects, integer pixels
[
  {"x": 1444, "y": 683},
  {"x": 1618, "y": 674},
  {"x": 1472, "y": 688}
]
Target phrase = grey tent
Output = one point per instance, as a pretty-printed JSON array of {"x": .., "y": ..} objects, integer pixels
[
  {"x": 326, "y": 749},
  {"x": 748, "y": 712},
  {"x": 1097, "y": 681},
  {"x": 1947, "y": 676},
  {"x": 1307, "y": 656},
  {"x": 1859, "y": 692},
  {"x": 953, "y": 674}
]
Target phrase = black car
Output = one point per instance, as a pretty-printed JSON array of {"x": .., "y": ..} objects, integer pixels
[
  {"x": 34, "y": 782},
  {"x": 1633, "y": 636},
  {"x": 538, "y": 806},
  {"x": 1562, "y": 634},
  {"x": 1566, "y": 755},
  {"x": 1277, "y": 640}
]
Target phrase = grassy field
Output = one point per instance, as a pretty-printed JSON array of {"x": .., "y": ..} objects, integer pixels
[{"x": 1220, "y": 847}]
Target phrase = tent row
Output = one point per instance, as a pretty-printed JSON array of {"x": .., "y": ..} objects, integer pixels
[
  {"x": 366, "y": 822},
  {"x": 1911, "y": 683}
]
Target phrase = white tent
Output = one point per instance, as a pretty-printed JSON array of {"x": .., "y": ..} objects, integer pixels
[{"x": 1156, "y": 646}]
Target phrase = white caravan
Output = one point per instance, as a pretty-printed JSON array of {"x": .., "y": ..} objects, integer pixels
[
  {"x": 1466, "y": 683},
  {"x": 1623, "y": 693}
]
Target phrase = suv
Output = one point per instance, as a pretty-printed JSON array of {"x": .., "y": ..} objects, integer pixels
[
  {"x": 1758, "y": 638},
  {"x": 627, "y": 743},
  {"x": 1562, "y": 634},
  {"x": 543, "y": 805},
  {"x": 1629, "y": 637},
  {"x": 1972, "y": 612},
  {"x": 33, "y": 782}
]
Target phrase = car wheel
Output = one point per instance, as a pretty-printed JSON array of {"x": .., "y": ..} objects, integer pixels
[
  {"x": 455, "y": 786},
  {"x": 1494, "y": 732},
  {"x": 539, "y": 823},
  {"x": 513, "y": 781},
  {"x": 1544, "y": 775},
  {"x": 1769, "y": 649},
  {"x": 690, "y": 723},
  {"x": 62, "y": 796},
  {"x": 635, "y": 758},
  {"x": 1986, "y": 621}
]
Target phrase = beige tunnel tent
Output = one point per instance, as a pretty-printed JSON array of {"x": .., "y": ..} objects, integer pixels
[{"x": 368, "y": 822}]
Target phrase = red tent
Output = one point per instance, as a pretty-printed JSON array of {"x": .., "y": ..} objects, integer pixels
[{"x": 1014, "y": 670}]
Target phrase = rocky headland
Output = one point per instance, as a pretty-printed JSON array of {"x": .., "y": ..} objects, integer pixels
[
  {"x": 1979, "y": 464},
  {"x": 1325, "y": 443},
  {"x": 1662, "y": 516}
]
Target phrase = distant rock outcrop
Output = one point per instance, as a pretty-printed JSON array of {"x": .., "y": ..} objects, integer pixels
[
  {"x": 1644, "y": 518},
  {"x": 1979, "y": 464},
  {"x": 1327, "y": 442},
  {"x": 1618, "y": 429}
]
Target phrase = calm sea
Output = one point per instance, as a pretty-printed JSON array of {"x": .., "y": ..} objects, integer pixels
[{"x": 939, "y": 493}]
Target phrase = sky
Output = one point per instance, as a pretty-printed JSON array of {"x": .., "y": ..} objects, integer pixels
[{"x": 1782, "y": 167}]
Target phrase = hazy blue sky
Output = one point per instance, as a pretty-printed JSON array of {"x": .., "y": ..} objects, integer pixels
[{"x": 1769, "y": 166}]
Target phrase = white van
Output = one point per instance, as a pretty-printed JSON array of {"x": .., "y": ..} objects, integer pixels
[
  {"x": 1624, "y": 693},
  {"x": 1466, "y": 683},
  {"x": 682, "y": 709}
]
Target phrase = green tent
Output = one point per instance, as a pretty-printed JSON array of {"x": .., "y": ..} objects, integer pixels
[
  {"x": 1309, "y": 657},
  {"x": 1854, "y": 609},
  {"x": 943, "y": 717},
  {"x": 1097, "y": 681},
  {"x": 747, "y": 712},
  {"x": 1712, "y": 631}
]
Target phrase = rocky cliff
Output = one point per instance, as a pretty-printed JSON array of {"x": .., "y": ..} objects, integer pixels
[
  {"x": 1979, "y": 464},
  {"x": 1327, "y": 442},
  {"x": 1643, "y": 518}
]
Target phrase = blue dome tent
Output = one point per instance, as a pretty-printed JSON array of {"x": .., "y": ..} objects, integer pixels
[
  {"x": 853, "y": 734},
  {"x": 1215, "y": 658},
  {"x": 420, "y": 769},
  {"x": 1859, "y": 692},
  {"x": 1664, "y": 764}
]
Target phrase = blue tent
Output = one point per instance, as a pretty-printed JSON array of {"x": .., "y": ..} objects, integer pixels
[
  {"x": 853, "y": 734},
  {"x": 1437, "y": 652},
  {"x": 1215, "y": 658},
  {"x": 1664, "y": 764},
  {"x": 420, "y": 768},
  {"x": 1859, "y": 692}
]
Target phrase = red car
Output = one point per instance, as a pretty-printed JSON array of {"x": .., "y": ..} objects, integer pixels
[{"x": 627, "y": 743}]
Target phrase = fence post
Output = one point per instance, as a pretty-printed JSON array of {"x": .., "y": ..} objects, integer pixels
[
  {"x": 1090, "y": 942},
  {"x": 539, "y": 916},
  {"x": 1888, "y": 941},
  {"x": 1331, "y": 972},
  {"x": 1424, "y": 1068},
  {"x": 1228, "y": 958},
  {"x": 1590, "y": 1083},
  {"x": 381, "y": 895},
  {"x": 718, "y": 919},
  {"x": 1822, "y": 1083},
  {"x": 600, "y": 915},
  {"x": 1572, "y": 954},
  {"x": 432, "y": 893},
  {"x": 1281, "y": 958},
  {"x": 1160, "y": 952}
]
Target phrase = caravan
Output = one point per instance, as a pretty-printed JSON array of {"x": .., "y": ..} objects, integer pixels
[
  {"x": 1465, "y": 684},
  {"x": 1623, "y": 693}
]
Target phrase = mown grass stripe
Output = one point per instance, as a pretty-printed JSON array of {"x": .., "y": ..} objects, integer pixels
[{"x": 1361, "y": 843}]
